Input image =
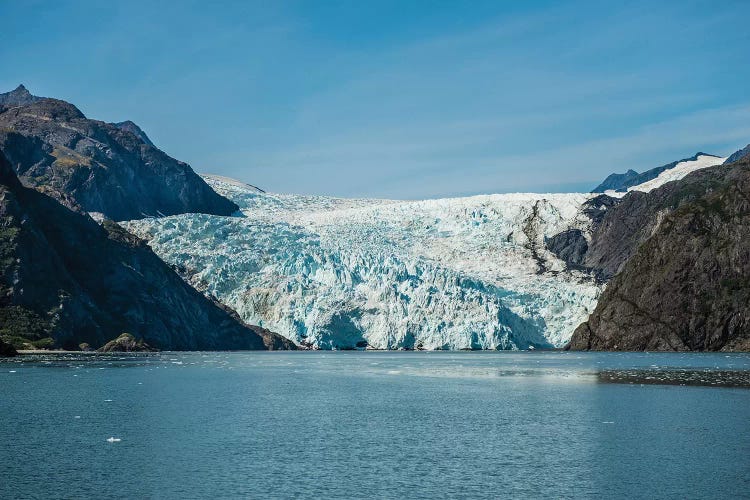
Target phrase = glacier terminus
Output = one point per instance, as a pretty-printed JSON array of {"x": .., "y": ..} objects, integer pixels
[{"x": 335, "y": 273}]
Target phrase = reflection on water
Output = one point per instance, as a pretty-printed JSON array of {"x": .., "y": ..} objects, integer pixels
[{"x": 375, "y": 424}]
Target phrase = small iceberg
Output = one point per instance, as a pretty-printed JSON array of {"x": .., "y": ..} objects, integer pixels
[{"x": 113, "y": 440}]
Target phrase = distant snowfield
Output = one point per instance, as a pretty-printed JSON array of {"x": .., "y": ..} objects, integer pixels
[
  {"x": 219, "y": 180},
  {"x": 678, "y": 172},
  {"x": 458, "y": 273},
  {"x": 673, "y": 174}
]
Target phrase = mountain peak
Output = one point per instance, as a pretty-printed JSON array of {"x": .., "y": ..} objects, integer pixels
[
  {"x": 739, "y": 155},
  {"x": 134, "y": 129},
  {"x": 18, "y": 97}
]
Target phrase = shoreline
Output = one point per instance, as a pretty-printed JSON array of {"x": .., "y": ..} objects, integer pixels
[{"x": 35, "y": 352}]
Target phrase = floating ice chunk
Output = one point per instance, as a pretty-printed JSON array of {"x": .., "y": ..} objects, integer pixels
[
  {"x": 108, "y": 400},
  {"x": 113, "y": 440}
]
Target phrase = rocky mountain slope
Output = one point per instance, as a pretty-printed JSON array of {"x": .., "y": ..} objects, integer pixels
[
  {"x": 112, "y": 169},
  {"x": 18, "y": 97},
  {"x": 65, "y": 280},
  {"x": 631, "y": 179},
  {"x": 739, "y": 155},
  {"x": 623, "y": 221},
  {"x": 683, "y": 256},
  {"x": 134, "y": 129}
]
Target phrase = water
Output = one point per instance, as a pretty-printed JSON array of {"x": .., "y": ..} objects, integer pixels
[{"x": 370, "y": 424}]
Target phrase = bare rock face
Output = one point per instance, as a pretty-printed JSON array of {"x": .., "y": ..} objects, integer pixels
[
  {"x": 18, "y": 97},
  {"x": 126, "y": 343},
  {"x": 66, "y": 280},
  {"x": 738, "y": 155},
  {"x": 686, "y": 284},
  {"x": 112, "y": 169},
  {"x": 631, "y": 221},
  {"x": 570, "y": 246},
  {"x": 134, "y": 129},
  {"x": 615, "y": 182}
]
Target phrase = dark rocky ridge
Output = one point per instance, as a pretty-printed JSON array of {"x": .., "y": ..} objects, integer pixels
[
  {"x": 101, "y": 167},
  {"x": 687, "y": 285},
  {"x": 66, "y": 280},
  {"x": 620, "y": 226},
  {"x": 633, "y": 219},
  {"x": 571, "y": 246},
  {"x": 615, "y": 182},
  {"x": 18, "y": 97},
  {"x": 621, "y": 182},
  {"x": 134, "y": 129},
  {"x": 738, "y": 155}
]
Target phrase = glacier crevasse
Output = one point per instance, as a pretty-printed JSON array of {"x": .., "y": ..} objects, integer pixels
[{"x": 459, "y": 273}]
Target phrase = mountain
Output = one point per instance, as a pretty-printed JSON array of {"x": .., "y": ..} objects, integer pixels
[
  {"x": 631, "y": 179},
  {"x": 134, "y": 129},
  {"x": 616, "y": 182},
  {"x": 18, "y": 97},
  {"x": 100, "y": 167},
  {"x": 739, "y": 155},
  {"x": 685, "y": 285},
  {"x": 66, "y": 280}
]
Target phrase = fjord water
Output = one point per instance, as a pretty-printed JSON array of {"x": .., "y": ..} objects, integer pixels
[{"x": 369, "y": 424}]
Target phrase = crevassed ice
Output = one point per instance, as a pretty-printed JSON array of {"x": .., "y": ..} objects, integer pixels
[{"x": 338, "y": 273}]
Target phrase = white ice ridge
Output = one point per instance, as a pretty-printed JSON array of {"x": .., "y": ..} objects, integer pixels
[
  {"x": 678, "y": 172},
  {"x": 338, "y": 273},
  {"x": 229, "y": 182}
]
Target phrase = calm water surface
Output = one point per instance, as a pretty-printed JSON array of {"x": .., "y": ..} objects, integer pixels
[{"x": 370, "y": 425}]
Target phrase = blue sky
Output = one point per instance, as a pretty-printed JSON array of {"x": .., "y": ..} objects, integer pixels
[{"x": 399, "y": 99}]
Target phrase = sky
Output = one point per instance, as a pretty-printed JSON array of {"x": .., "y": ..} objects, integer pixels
[{"x": 399, "y": 99}]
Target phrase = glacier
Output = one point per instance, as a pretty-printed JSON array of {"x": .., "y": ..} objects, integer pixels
[
  {"x": 336, "y": 273},
  {"x": 333, "y": 273}
]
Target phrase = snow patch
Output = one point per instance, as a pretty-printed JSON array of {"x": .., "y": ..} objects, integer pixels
[{"x": 678, "y": 172}]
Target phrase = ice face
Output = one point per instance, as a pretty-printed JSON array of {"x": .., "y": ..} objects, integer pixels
[{"x": 455, "y": 273}]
